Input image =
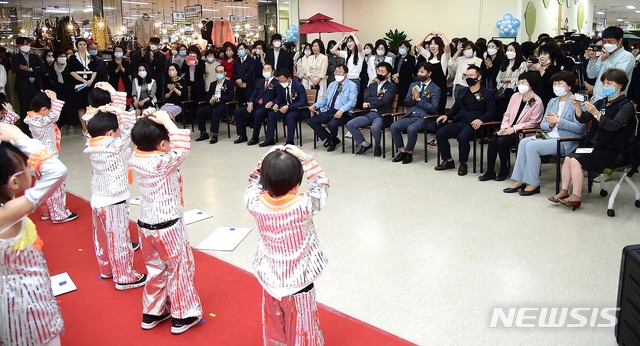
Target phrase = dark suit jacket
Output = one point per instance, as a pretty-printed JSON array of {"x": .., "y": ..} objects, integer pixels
[
  {"x": 22, "y": 77},
  {"x": 382, "y": 103},
  {"x": 267, "y": 95},
  {"x": 284, "y": 59},
  {"x": 429, "y": 100},
  {"x": 482, "y": 107},
  {"x": 407, "y": 70},
  {"x": 245, "y": 70},
  {"x": 226, "y": 94},
  {"x": 126, "y": 75},
  {"x": 158, "y": 65},
  {"x": 297, "y": 90}
]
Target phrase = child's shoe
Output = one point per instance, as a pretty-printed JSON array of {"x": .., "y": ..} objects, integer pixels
[
  {"x": 150, "y": 321},
  {"x": 181, "y": 325},
  {"x": 139, "y": 283},
  {"x": 71, "y": 217}
]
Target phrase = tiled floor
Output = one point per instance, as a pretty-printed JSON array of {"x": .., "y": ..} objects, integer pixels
[{"x": 422, "y": 254}]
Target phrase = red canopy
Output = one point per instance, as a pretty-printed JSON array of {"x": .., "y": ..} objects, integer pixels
[{"x": 320, "y": 23}]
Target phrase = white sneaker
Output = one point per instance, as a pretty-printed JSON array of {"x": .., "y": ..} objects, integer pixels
[
  {"x": 347, "y": 135},
  {"x": 139, "y": 283}
]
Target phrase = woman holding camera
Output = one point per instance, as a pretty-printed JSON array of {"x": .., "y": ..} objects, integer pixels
[{"x": 611, "y": 129}]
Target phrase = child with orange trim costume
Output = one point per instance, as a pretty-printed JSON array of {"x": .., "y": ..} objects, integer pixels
[
  {"x": 45, "y": 111},
  {"x": 109, "y": 150},
  {"x": 289, "y": 257},
  {"x": 160, "y": 150}
]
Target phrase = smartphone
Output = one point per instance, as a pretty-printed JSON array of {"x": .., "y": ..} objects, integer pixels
[
  {"x": 191, "y": 59},
  {"x": 597, "y": 48},
  {"x": 580, "y": 97},
  {"x": 534, "y": 60}
]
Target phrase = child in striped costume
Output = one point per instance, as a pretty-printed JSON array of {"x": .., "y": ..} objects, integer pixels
[
  {"x": 7, "y": 114},
  {"x": 110, "y": 136},
  {"x": 160, "y": 150},
  {"x": 29, "y": 313},
  {"x": 45, "y": 111},
  {"x": 289, "y": 257}
]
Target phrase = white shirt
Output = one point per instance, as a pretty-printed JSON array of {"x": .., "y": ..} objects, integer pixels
[
  {"x": 219, "y": 86},
  {"x": 354, "y": 70},
  {"x": 276, "y": 53},
  {"x": 460, "y": 65},
  {"x": 3, "y": 79},
  {"x": 554, "y": 132}
]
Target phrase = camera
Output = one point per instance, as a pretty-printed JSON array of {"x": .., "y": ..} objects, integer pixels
[
  {"x": 596, "y": 48},
  {"x": 580, "y": 97},
  {"x": 534, "y": 60}
]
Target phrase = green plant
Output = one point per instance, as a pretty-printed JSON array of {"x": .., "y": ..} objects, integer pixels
[{"x": 394, "y": 38}]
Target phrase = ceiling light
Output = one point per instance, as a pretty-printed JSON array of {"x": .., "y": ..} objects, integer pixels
[
  {"x": 232, "y": 6},
  {"x": 631, "y": 7},
  {"x": 637, "y": 11},
  {"x": 135, "y": 2},
  {"x": 108, "y": 8},
  {"x": 600, "y": 12},
  {"x": 620, "y": 20},
  {"x": 4, "y": 2},
  {"x": 210, "y": 10}
]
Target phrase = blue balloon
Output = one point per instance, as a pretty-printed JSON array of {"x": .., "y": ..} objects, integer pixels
[
  {"x": 515, "y": 22},
  {"x": 508, "y": 17}
]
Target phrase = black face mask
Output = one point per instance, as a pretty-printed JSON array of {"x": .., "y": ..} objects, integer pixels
[
  {"x": 422, "y": 78},
  {"x": 471, "y": 81},
  {"x": 381, "y": 77}
]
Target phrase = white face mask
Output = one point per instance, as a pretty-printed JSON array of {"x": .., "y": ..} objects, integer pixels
[
  {"x": 559, "y": 91},
  {"x": 380, "y": 52},
  {"x": 174, "y": 52},
  {"x": 468, "y": 53},
  {"x": 142, "y": 74},
  {"x": 62, "y": 60},
  {"x": 544, "y": 62},
  {"x": 339, "y": 78},
  {"x": 523, "y": 89},
  {"x": 492, "y": 51},
  {"x": 266, "y": 74},
  {"x": 153, "y": 47},
  {"x": 25, "y": 49},
  {"x": 610, "y": 47},
  {"x": 511, "y": 55},
  {"x": 210, "y": 59},
  {"x": 51, "y": 60},
  {"x": 307, "y": 52},
  {"x": 277, "y": 44},
  {"x": 284, "y": 85},
  {"x": 118, "y": 55},
  {"x": 366, "y": 51}
]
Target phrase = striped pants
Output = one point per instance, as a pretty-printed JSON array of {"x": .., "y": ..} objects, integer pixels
[
  {"x": 170, "y": 270},
  {"x": 291, "y": 321},
  {"x": 57, "y": 204},
  {"x": 112, "y": 243}
]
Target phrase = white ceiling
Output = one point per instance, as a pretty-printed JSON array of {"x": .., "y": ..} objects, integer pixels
[{"x": 615, "y": 9}]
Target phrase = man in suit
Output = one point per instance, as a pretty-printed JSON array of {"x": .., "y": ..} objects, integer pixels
[
  {"x": 423, "y": 97},
  {"x": 378, "y": 100},
  {"x": 220, "y": 92},
  {"x": 291, "y": 97},
  {"x": 157, "y": 62},
  {"x": 278, "y": 57},
  {"x": 243, "y": 72},
  {"x": 473, "y": 106},
  {"x": 28, "y": 83},
  {"x": 257, "y": 108},
  {"x": 334, "y": 108}
]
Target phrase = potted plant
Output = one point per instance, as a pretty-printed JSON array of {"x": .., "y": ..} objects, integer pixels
[{"x": 394, "y": 38}]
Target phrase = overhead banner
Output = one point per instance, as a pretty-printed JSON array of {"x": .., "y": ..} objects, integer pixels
[{"x": 193, "y": 12}]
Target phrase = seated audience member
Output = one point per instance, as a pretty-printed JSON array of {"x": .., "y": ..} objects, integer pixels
[
  {"x": 291, "y": 96},
  {"x": 257, "y": 108},
  {"x": 524, "y": 112},
  {"x": 559, "y": 122},
  {"x": 473, "y": 106},
  {"x": 175, "y": 91},
  {"x": 612, "y": 126},
  {"x": 334, "y": 108},
  {"x": 220, "y": 92},
  {"x": 378, "y": 100},
  {"x": 144, "y": 90},
  {"x": 423, "y": 99}
]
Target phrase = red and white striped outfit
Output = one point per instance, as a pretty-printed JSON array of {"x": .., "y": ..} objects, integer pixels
[
  {"x": 43, "y": 127},
  {"x": 8, "y": 117},
  {"x": 166, "y": 249},
  {"x": 289, "y": 257},
  {"x": 110, "y": 189}
]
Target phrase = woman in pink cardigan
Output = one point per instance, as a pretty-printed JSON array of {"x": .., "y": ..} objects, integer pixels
[{"x": 524, "y": 112}]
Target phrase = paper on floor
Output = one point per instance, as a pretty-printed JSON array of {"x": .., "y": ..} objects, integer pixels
[
  {"x": 224, "y": 239},
  {"x": 135, "y": 201},
  {"x": 195, "y": 215},
  {"x": 62, "y": 284}
]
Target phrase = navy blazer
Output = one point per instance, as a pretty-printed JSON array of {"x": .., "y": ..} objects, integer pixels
[
  {"x": 298, "y": 96},
  {"x": 267, "y": 95},
  {"x": 22, "y": 77},
  {"x": 226, "y": 94},
  {"x": 245, "y": 70},
  {"x": 429, "y": 100},
  {"x": 383, "y": 104},
  {"x": 483, "y": 106}
]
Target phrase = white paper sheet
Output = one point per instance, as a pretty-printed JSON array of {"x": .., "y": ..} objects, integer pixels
[
  {"x": 62, "y": 284},
  {"x": 224, "y": 239},
  {"x": 195, "y": 215},
  {"x": 135, "y": 201}
]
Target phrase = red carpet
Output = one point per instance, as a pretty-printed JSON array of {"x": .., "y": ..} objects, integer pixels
[{"x": 96, "y": 314}]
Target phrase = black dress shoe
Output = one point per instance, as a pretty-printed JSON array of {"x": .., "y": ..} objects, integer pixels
[
  {"x": 268, "y": 143},
  {"x": 445, "y": 165},
  {"x": 203, "y": 137},
  {"x": 487, "y": 176},
  {"x": 363, "y": 149},
  {"x": 501, "y": 178},
  {"x": 290, "y": 142},
  {"x": 213, "y": 140},
  {"x": 331, "y": 147},
  {"x": 399, "y": 157},
  {"x": 513, "y": 189},
  {"x": 240, "y": 139},
  {"x": 253, "y": 141},
  {"x": 462, "y": 170},
  {"x": 408, "y": 158},
  {"x": 327, "y": 143},
  {"x": 377, "y": 151},
  {"x": 530, "y": 193}
]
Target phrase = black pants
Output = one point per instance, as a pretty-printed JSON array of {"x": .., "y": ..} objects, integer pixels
[
  {"x": 243, "y": 118},
  {"x": 500, "y": 146},
  {"x": 214, "y": 112}
]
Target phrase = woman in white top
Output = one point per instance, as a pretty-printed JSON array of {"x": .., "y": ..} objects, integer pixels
[
  {"x": 511, "y": 68},
  {"x": 438, "y": 53},
  {"x": 353, "y": 56},
  {"x": 144, "y": 90},
  {"x": 378, "y": 56},
  {"x": 3, "y": 79},
  {"x": 317, "y": 64},
  {"x": 300, "y": 61},
  {"x": 461, "y": 63}
]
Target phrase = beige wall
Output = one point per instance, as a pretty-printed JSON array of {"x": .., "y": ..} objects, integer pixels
[{"x": 456, "y": 18}]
